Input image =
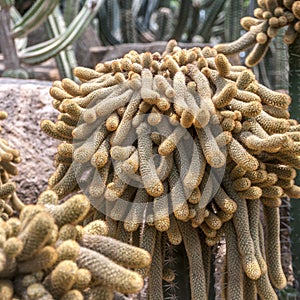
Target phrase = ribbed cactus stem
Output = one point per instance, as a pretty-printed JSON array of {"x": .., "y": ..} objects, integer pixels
[
  {"x": 7, "y": 43},
  {"x": 294, "y": 90}
]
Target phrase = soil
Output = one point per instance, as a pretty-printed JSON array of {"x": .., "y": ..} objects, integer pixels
[{"x": 27, "y": 102}]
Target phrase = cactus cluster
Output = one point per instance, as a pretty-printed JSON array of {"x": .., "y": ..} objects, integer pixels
[
  {"x": 46, "y": 254},
  {"x": 269, "y": 17},
  {"x": 62, "y": 33},
  {"x": 126, "y": 131},
  {"x": 8, "y": 158}
]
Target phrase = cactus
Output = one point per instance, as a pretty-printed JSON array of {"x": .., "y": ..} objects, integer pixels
[
  {"x": 211, "y": 14},
  {"x": 60, "y": 37},
  {"x": 127, "y": 22},
  {"x": 68, "y": 270},
  {"x": 12, "y": 62},
  {"x": 164, "y": 22},
  {"x": 70, "y": 212},
  {"x": 43, "y": 51},
  {"x": 168, "y": 193},
  {"x": 42, "y": 254},
  {"x": 182, "y": 19},
  {"x": 252, "y": 150},
  {"x": 121, "y": 254},
  {"x": 268, "y": 18},
  {"x": 65, "y": 59},
  {"x": 33, "y": 18},
  {"x": 9, "y": 200}
]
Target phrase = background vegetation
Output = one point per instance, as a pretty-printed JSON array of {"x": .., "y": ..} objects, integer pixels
[{"x": 119, "y": 22}]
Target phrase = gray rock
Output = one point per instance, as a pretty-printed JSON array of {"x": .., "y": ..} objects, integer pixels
[{"x": 27, "y": 102}]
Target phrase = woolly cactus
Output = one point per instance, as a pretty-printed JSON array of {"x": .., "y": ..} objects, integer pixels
[
  {"x": 197, "y": 149},
  {"x": 268, "y": 18},
  {"x": 9, "y": 201},
  {"x": 39, "y": 260}
]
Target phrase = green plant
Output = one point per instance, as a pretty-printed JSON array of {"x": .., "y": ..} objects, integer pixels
[
  {"x": 256, "y": 125},
  {"x": 61, "y": 36}
]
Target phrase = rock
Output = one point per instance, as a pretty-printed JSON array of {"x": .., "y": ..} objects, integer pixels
[{"x": 27, "y": 102}]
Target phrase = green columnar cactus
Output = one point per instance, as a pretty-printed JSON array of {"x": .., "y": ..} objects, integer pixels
[
  {"x": 55, "y": 26},
  {"x": 43, "y": 51},
  {"x": 61, "y": 37},
  {"x": 12, "y": 62},
  {"x": 33, "y": 18}
]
